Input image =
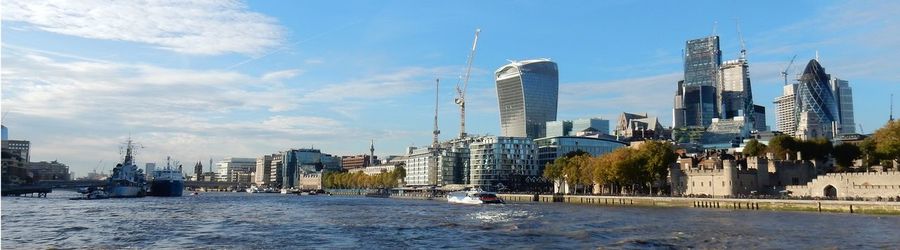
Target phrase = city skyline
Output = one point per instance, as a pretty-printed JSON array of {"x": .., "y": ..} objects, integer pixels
[{"x": 269, "y": 79}]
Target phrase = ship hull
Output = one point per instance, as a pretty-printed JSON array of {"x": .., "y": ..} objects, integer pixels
[
  {"x": 166, "y": 188},
  {"x": 125, "y": 192}
]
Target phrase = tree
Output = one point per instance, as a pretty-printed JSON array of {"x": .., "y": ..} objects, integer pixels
[
  {"x": 782, "y": 145},
  {"x": 754, "y": 148},
  {"x": 870, "y": 157},
  {"x": 887, "y": 141},
  {"x": 845, "y": 154},
  {"x": 658, "y": 157}
]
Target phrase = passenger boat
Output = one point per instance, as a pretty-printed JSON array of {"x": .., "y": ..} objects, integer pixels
[{"x": 473, "y": 197}]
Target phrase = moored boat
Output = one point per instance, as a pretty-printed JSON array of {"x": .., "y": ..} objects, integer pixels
[
  {"x": 167, "y": 182},
  {"x": 473, "y": 197},
  {"x": 127, "y": 179}
]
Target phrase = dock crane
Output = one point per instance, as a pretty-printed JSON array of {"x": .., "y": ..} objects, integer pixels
[
  {"x": 786, "y": 69},
  {"x": 461, "y": 85}
]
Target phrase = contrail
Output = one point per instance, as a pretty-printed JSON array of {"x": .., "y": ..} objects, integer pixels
[{"x": 317, "y": 36}]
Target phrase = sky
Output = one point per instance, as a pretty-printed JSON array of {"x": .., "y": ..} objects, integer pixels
[{"x": 196, "y": 80}]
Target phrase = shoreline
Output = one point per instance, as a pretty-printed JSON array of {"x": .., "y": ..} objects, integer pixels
[{"x": 820, "y": 206}]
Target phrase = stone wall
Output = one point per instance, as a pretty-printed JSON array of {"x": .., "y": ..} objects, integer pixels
[{"x": 865, "y": 185}]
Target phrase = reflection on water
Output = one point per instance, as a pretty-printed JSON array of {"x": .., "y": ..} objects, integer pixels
[{"x": 275, "y": 221}]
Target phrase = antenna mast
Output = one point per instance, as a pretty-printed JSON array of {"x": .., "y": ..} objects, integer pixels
[
  {"x": 461, "y": 90},
  {"x": 437, "y": 86},
  {"x": 891, "y": 118}
]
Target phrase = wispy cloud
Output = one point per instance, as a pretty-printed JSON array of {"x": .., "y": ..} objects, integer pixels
[{"x": 190, "y": 27}]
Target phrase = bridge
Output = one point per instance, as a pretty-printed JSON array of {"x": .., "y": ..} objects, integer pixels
[{"x": 75, "y": 184}]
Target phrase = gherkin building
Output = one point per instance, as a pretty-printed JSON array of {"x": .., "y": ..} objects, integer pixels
[{"x": 815, "y": 95}]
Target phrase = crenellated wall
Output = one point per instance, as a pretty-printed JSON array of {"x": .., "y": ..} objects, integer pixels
[{"x": 866, "y": 185}]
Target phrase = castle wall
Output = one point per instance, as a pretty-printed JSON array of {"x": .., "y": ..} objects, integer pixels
[{"x": 866, "y": 185}]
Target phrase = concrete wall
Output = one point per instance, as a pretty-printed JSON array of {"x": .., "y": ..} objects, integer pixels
[{"x": 866, "y": 185}]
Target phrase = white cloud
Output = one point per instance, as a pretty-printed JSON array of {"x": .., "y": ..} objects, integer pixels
[
  {"x": 190, "y": 27},
  {"x": 281, "y": 75}
]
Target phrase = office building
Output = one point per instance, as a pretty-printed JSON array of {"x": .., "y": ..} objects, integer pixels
[
  {"x": 759, "y": 118},
  {"x": 297, "y": 162},
  {"x": 234, "y": 169},
  {"x": 696, "y": 97},
  {"x": 817, "y": 107},
  {"x": 786, "y": 110},
  {"x": 20, "y": 148},
  {"x": 275, "y": 175},
  {"x": 5, "y": 133},
  {"x": 528, "y": 93},
  {"x": 497, "y": 160},
  {"x": 355, "y": 161},
  {"x": 46, "y": 171},
  {"x": 558, "y": 128},
  {"x": 735, "y": 94},
  {"x": 550, "y": 148},
  {"x": 438, "y": 165},
  {"x": 263, "y": 170},
  {"x": 573, "y": 127},
  {"x": 843, "y": 96}
]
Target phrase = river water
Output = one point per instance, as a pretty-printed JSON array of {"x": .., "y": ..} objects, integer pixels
[{"x": 276, "y": 221}]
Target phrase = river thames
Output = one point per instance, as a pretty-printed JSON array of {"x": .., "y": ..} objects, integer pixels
[{"x": 275, "y": 221}]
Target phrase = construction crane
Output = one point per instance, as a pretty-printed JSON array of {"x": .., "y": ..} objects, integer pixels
[
  {"x": 461, "y": 85},
  {"x": 786, "y": 69},
  {"x": 741, "y": 36}
]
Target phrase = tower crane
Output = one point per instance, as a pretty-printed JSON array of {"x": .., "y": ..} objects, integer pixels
[
  {"x": 786, "y": 69},
  {"x": 461, "y": 85}
]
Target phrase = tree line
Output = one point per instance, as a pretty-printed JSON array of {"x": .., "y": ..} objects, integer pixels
[
  {"x": 624, "y": 169},
  {"x": 880, "y": 148},
  {"x": 385, "y": 179}
]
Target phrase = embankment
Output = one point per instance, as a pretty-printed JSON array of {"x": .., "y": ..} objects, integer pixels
[{"x": 863, "y": 207}]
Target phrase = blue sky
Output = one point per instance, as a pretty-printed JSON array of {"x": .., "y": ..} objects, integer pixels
[{"x": 196, "y": 80}]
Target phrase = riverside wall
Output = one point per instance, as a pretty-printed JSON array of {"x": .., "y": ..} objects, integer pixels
[{"x": 863, "y": 207}]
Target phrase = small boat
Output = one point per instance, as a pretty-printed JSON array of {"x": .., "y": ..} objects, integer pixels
[
  {"x": 93, "y": 194},
  {"x": 253, "y": 190},
  {"x": 195, "y": 193},
  {"x": 473, "y": 197}
]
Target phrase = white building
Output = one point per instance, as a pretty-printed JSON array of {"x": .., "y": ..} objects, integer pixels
[
  {"x": 786, "y": 110},
  {"x": 496, "y": 159},
  {"x": 233, "y": 169}
]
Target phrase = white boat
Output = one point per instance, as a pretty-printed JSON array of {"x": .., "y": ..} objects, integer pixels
[
  {"x": 473, "y": 197},
  {"x": 253, "y": 190}
]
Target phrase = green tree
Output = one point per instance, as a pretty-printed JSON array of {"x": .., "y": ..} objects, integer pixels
[
  {"x": 657, "y": 156},
  {"x": 782, "y": 145},
  {"x": 887, "y": 141},
  {"x": 870, "y": 156},
  {"x": 754, "y": 148},
  {"x": 844, "y": 155}
]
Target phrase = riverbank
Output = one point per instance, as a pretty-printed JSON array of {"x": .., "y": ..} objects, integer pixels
[
  {"x": 862, "y": 207},
  {"x": 821, "y": 206}
]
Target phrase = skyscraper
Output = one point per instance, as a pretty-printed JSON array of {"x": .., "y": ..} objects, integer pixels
[
  {"x": 735, "y": 94},
  {"x": 786, "y": 110},
  {"x": 697, "y": 97},
  {"x": 816, "y": 98},
  {"x": 843, "y": 96},
  {"x": 528, "y": 93}
]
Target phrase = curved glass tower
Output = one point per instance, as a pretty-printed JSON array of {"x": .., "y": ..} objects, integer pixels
[
  {"x": 528, "y": 94},
  {"x": 815, "y": 96}
]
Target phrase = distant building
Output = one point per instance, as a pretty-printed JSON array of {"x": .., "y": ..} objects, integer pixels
[
  {"x": 438, "y": 165},
  {"x": 759, "y": 118},
  {"x": 390, "y": 164},
  {"x": 297, "y": 162},
  {"x": 5, "y": 133},
  {"x": 786, "y": 110},
  {"x": 528, "y": 93},
  {"x": 696, "y": 97},
  {"x": 571, "y": 128},
  {"x": 497, "y": 160},
  {"x": 198, "y": 171},
  {"x": 634, "y": 127},
  {"x": 550, "y": 148},
  {"x": 356, "y": 161},
  {"x": 234, "y": 169},
  {"x": 816, "y": 108},
  {"x": 263, "y": 170},
  {"x": 49, "y": 171},
  {"x": 311, "y": 181},
  {"x": 275, "y": 177},
  {"x": 149, "y": 168},
  {"x": 843, "y": 96},
  {"x": 21, "y": 148},
  {"x": 422, "y": 166}
]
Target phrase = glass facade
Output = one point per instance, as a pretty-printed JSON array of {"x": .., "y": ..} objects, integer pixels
[
  {"x": 528, "y": 93},
  {"x": 550, "y": 148},
  {"x": 843, "y": 96},
  {"x": 815, "y": 96},
  {"x": 497, "y": 160},
  {"x": 702, "y": 60}
]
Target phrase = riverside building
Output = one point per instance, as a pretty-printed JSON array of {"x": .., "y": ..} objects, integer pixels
[
  {"x": 497, "y": 160},
  {"x": 235, "y": 169},
  {"x": 528, "y": 93}
]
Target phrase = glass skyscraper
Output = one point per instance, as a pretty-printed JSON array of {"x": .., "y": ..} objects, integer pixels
[
  {"x": 815, "y": 96},
  {"x": 696, "y": 98},
  {"x": 528, "y": 94}
]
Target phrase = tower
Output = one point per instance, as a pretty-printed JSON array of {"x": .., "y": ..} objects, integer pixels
[
  {"x": 697, "y": 96},
  {"x": 372, "y": 153},
  {"x": 528, "y": 95},
  {"x": 814, "y": 96}
]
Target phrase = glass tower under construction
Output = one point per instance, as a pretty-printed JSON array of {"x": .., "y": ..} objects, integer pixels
[{"x": 696, "y": 97}]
